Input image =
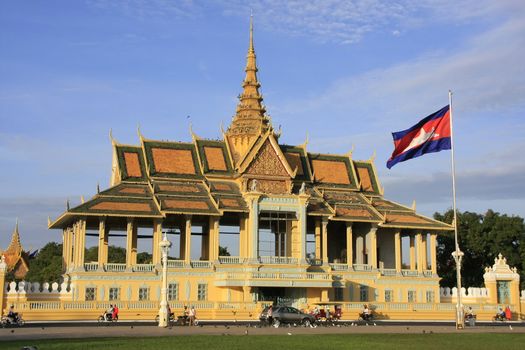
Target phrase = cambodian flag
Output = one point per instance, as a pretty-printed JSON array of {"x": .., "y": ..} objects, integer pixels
[{"x": 432, "y": 134}]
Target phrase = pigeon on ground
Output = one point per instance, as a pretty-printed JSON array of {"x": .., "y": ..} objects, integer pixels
[
  {"x": 289, "y": 333},
  {"x": 510, "y": 327},
  {"x": 375, "y": 324}
]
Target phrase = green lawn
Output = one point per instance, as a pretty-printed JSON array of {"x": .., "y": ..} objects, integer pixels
[{"x": 299, "y": 342}]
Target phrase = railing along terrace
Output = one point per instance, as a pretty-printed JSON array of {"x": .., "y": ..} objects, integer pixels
[
  {"x": 91, "y": 266},
  {"x": 232, "y": 260},
  {"x": 362, "y": 267},
  {"x": 115, "y": 267},
  {"x": 410, "y": 273},
  {"x": 277, "y": 260},
  {"x": 201, "y": 264},
  {"x": 143, "y": 268},
  {"x": 340, "y": 267},
  {"x": 427, "y": 273},
  {"x": 176, "y": 263},
  {"x": 388, "y": 272}
]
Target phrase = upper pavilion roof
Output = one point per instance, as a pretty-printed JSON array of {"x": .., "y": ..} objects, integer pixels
[{"x": 210, "y": 177}]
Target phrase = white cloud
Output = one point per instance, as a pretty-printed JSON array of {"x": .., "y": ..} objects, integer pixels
[
  {"x": 338, "y": 21},
  {"x": 144, "y": 9},
  {"x": 348, "y": 21},
  {"x": 486, "y": 74}
]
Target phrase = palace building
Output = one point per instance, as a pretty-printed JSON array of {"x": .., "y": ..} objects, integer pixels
[{"x": 307, "y": 228}]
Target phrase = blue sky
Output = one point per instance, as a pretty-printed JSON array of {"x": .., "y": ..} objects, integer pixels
[{"x": 348, "y": 73}]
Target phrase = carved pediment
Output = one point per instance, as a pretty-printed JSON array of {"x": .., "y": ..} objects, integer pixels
[{"x": 267, "y": 163}]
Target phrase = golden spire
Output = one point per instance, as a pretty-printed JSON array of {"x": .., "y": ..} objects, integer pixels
[
  {"x": 15, "y": 247},
  {"x": 250, "y": 120}
]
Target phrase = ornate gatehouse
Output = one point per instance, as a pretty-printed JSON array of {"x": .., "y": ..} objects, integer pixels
[{"x": 302, "y": 228}]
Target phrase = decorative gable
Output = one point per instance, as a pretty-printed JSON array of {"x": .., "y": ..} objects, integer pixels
[{"x": 267, "y": 162}]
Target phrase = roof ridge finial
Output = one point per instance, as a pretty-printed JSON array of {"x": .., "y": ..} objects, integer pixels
[{"x": 251, "y": 49}]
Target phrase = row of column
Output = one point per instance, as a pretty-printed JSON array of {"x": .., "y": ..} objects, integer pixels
[
  {"x": 418, "y": 247},
  {"x": 74, "y": 240},
  {"x": 74, "y": 243}
]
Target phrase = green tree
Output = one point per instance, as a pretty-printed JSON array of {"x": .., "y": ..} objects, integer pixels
[
  {"x": 223, "y": 251},
  {"x": 116, "y": 254},
  {"x": 47, "y": 265},
  {"x": 481, "y": 238},
  {"x": 144, "y": 258}
]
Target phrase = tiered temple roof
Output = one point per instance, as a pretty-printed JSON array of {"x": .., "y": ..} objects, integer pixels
[
  {"x": 15, "y": 256},
  {"x": 210, "y": 177}
]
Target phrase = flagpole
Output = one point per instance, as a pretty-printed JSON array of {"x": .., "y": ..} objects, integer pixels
[{"x": 457, "y": 254}]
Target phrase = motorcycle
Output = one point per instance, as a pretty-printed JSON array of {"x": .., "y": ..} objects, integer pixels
[
  {"x": 499, "y": 317},
  {"x": 107, "y": 317},
  {"x": 365, "y": 317},
  {"x": 15, "y": 320}
]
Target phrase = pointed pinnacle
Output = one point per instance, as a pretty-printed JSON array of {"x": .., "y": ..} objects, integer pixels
[{"x": 251, "y": 33}]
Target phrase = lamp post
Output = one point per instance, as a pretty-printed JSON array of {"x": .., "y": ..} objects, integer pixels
[
  {"x": 163, "y": 312},
  {"x": 458, "y": 256}
]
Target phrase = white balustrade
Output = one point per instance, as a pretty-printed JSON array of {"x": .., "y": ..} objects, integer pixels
[
  {"x": 362, "y": 267},
  {"x": 277, "y": 260},
  {"x": 340, "y": 267},
  {"x": 231, "y": 260},
  {"x": 143, "y": 268},
  {"x": 201, "y": 264},
  {"x": 388, "y": 272},
  {"x": 176, "y": 264},
  {"x": 115, "y": 267},
  {"x": 409, "y": 273},
  {"x": 91, "y": 266}
]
